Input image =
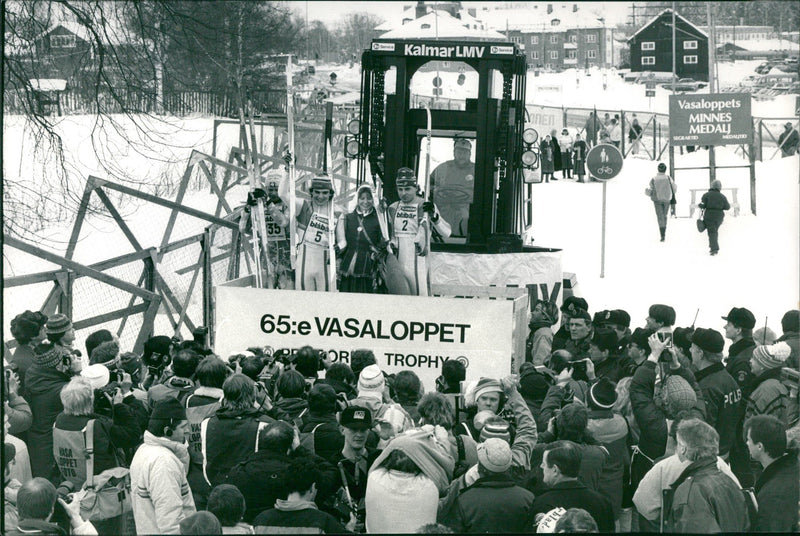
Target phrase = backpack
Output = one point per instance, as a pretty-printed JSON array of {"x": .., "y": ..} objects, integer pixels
[
  {"x": 307, "y": 439},
  {"x": 461, "y": 465}
]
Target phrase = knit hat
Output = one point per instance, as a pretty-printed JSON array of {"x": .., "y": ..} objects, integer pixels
[
  {"x": 487, "y": 385},
  {"x": 105, "y": 353},
  {"x": 602, "y": 394},
  {"x": 709, "y": 340},
  {"x": 716, "y": 184},
  {"x": 677, "y": 395},
  {"x": 168, "y": 408},
  {"x": 322, "y": 399},
  {"x": 533, "y": 384},
  {"x": 356, "y": 417},
  {"x": 741, "y": 318},
  {"x": 494, "y": 455},
  {"x": 662, "y": 167},
  {"x": 202, "y": 522},
  {"x": 572, "y": 304},
  {"x": 496, "y": 428},
  {"x": 462, "y": 143},
  {"x": 371, "y": 380},
  {"x": 57, "y": 323},
  {"x": 49, "y": 355},
  {"x": 791, "y": 321},
  {"x": 405, "y": 177},
  {"x": 321, "y": 182},
  {"x": 662, "y": 313},
  {"x": 97, "y": 374},
  {"x": 773, "y": 356}
]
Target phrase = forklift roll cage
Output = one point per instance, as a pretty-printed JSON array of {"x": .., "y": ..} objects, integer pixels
[{"x": 389, "y": 134}]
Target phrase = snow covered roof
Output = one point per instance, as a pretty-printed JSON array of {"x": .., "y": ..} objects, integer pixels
[
  {"x": 519, "y": 19},
  {"x": 410, "y": 15},
  {"x": 677, "y": 16},
  {"x": 48, "y": 84},
  {"x": 441, "y": 25},
  {"x": 764, "y": 45},
  {"x": 110, "y": 35}
]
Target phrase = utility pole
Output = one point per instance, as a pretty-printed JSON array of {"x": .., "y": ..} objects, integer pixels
[
  {"x": 673, "y": 47},
  {"x": 712, "y": 58}
]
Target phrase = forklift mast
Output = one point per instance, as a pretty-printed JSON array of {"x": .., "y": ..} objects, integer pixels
[{"x": 392, "y": 128}]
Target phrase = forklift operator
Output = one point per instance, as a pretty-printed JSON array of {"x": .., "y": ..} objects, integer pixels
[{"x": 453, "y": 183}]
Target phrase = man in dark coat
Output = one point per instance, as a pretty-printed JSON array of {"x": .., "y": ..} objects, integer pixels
[
  {"x": 790, "y": 323},
  {"x": 561, "y": 464},
  {"x": 714, "y": 203},
  {"x": 569, "y": 309},
  {"x": 558, "y": 165},
  {"x": 494, "y": 503},
  {"x": 739, "y": 329},
  {"x": 789, "y": 140},
  {"x": 777, "y": 487}
]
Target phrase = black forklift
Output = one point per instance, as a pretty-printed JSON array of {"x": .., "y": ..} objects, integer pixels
[{"x": 488, "y": 108}]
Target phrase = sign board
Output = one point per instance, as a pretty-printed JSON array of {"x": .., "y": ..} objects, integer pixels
[
  {"x": 715, "y": 119},
  {"x": 649, "y": 92},
  {"x": 437, "y": 81},
  {"x": 544, "y": 119},
  {"x": 650, "y": 85},
  {"x": 604, "y": 161},
  {"x": 444, "y": 50},
  {"x": 405, "y": 332}
]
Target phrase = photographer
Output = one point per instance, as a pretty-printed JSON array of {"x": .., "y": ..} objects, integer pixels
[
  {"x": 180, "y": 385},
  {"x": 36, "y": 505},
  {"x": 106, "y": 354},
  {"x": 157, "y": 355},
  {"x": 571, "y": 383}
]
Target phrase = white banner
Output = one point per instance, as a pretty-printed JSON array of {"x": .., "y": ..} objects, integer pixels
[{"x": 404, "y": 332}]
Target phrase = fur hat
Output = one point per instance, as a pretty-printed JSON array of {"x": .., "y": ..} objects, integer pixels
[
  {"x": 618, "y": 317},
  {"x": 602, "y": 394},
  {"x": 487, "y": 385},
  {"x": 640, "y": 336},
  {"x": 97, "y": 374},
  {"x": 773, "y": 356},
  {"x": 496, "y": 429},
  {"x": 48, "y": 356},
  {"x": 572, "y": 304},
  {"x": 791, "y": 321},
  {"x": 405, "y": 177},
  {"x": 168, "y": 408},
  {"x": 202, "y": 522},
  {"x": 662, "y": 313},
  {"x": 58, "y": 323},
  {"x": 741, "y": 318},
  {"x": 494, "y": 455},
  {"x": 709, "y": 340},
  {"x": 605, "y": 339},
  {"x": 27, "y": 325},
  {"x": 105, "y": 353},
  {"x": 677, "y": 395},
  {"x": 371, "y": 380}
]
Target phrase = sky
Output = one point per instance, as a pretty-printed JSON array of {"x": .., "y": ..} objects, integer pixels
[{"x": 331, "y": 12}]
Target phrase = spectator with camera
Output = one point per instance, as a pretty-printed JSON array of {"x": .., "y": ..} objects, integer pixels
[
  {"x": 603, "y": 354},
  {"x": 180, "y": 385},
  {"x": 28, "y": 330},
  {"x": 570, "y": 384},
  {"x": 636, "y": 352},
  {"x": 37, "y": 502},
  {"x": 160, "y": 494},
  {"x": 453, "y": 373},
  {"x": 16, "y": 407},
  {"x": 156, "y": 358}
]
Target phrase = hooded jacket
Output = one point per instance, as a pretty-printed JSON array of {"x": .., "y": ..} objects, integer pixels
[
  {"x": 704, "y": 499},
  {"x": 777, "y": 495},
  {"x": 175, "y": 386},
  {"x": 611, "y": 430},
  {"x": 43, "y": 393},
  {"x": 160, "y": 494}
]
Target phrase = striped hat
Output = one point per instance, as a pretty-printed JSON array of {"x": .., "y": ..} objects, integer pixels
[
  {"x": 497, "y": 428},
  {"x": 58, "y": 323},
  {"x": 405, "y": 178},
  {"x": 772, "y": 356},
  {"x": 321, "y": 182},
  {"x": 49, "y": 355}
]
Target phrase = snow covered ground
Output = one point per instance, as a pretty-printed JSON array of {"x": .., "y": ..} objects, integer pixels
[{"x": 757, "y": 267}]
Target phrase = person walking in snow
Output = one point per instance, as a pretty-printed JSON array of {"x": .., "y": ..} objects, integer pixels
[
  {"x": 661, "y": 191},
  {"x": 714, "y": 203}
]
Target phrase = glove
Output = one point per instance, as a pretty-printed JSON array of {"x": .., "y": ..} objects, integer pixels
[
  {"x": 428, "y": 207},
  {"x": 254, "y": 196},
  {"x": 273, "y": 200},
  {"x": 288, "y": 158},
  {"x": 337, "y": 250}
]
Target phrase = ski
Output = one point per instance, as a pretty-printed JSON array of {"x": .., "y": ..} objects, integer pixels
[
  {"x": 290, "y": 166},
  {"x": 327, "y": 169},
  {"x": 261, "y": 217},
  {"x": 252, "y": 178}
]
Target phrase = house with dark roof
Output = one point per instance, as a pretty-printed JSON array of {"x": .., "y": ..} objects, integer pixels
[{"x": 651, "y": 47}]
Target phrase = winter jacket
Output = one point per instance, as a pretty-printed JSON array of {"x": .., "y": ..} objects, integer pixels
[
  {"x": 294, "y": 408},
  {"x": 651, "y": 419},
  {"x": 228, "y": 438},
  {"x": 611, "y": 431},
  {"x": 160, "y": 494},
  {"x": 259, "y": 478},
  {"x": 327, "y": 438},
  {"x": 493, "y": 504},
  {"x": 714, "y": 203},
  {"x": 37, "y": 527},
  {"x": 399, "y": 502},
  {"x": 724, "y": 406},
  {"x": 175, "y": 387},
  {"x": 200, "y": 405},
  {"x": 661, "y": 188},
  {"x": 704, "y": 499},
  {"x": 559, "y": 396},
  {"x": 539, "y": 343},
  {"x": 575, "y": 494},
  {"x": 647, "y": 498},
  {"x": 557, "y": 164},
  {"x": 43, "y": 393},
  {"x": 635, "y": 132},
  {"x": 298, "y": 517},
  {"x": 738, "y": 362},
  {"x": 547, "y": 156},
  {"x": 769, "y": 397},
  {"x": 609, "y": 368},
  {"x": 594, "y": 458},
  {"x": 560, "y": 338},
  {"x": 615, "y": 133},
  {"x": 20, "y": 417},
  {"x": 579, "y": 348},
  {"x": 777, "y": 495},
  {"x": 565, "y": 143},
  {"x": 22, "y": 361}
]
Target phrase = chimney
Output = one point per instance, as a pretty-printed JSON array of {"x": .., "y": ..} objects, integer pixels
[
  {"x": 421, "y": 9},
  {"x": 472, "y": 12},
  {"x": 549, "y": 8},
  {"x": 574, "y": 8}
]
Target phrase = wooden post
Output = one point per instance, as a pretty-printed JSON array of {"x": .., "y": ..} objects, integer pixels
[
  {"x": 712, "y": 165},
  {"x": 752, "y": 156},
  {"x": 672, "y": 162},
  {"x": 622, "y": 132},
  {"x": 655, "y": 141}
]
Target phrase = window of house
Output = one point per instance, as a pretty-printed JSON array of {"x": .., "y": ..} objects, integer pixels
[
  {"x": 62, "y": 41},
  {"x": 591, "y": 38},
  {"x": 535, "y": 54},
  {"x": 689, "y": 45},
  {"x": 571, "y": 54},
  {"x": 516, "y": 39},
  {"x": 534, "y": 39},
  {"x": 554, "y": 54},
  {"x": 648, "y": 45},
  {"x": 591, "y": 54},
  {"x": 548, "y": 65},
  {"x": 573, "y": 38},
  {"x": 648, "y": 60},
  {"x": 689, "y": 60},
  {"x": 554, "y": 38}
]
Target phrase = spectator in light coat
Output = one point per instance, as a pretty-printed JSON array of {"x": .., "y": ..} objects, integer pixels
[
  {"x": 565, "y": 143},
  {"x": 540, "y": 340},
  {"x": 661, "y": 191}
]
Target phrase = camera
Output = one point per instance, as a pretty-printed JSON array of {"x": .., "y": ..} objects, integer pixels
[{"x": 665, "y": 336}]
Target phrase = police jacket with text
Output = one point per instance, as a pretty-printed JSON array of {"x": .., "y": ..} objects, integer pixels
[{"x": 724, "y": 404}]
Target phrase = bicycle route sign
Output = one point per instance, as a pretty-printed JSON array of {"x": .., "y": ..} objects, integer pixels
[{"x": 604, "y": 161}]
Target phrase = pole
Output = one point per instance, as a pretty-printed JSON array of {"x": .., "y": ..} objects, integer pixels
[
  {"x": 291, "y": 170},
  {"x": 673, "y": 47},
  {"x": 752, "y": 166},
  {"x": 603, "y": 236}
]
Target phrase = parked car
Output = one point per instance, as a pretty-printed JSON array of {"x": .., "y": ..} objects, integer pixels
[
  {"x": 766, "y": 67},
  {"x": 685, "y": 84}
]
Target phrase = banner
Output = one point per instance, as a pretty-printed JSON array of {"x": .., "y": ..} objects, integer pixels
[
  {"x": 405, "y": 332},
  {"x": 717, "y": 119}
]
